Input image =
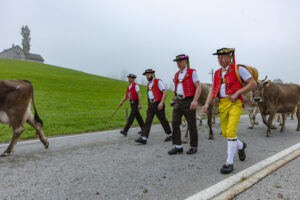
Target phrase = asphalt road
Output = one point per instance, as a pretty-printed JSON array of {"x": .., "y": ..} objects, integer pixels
[{"x": 108, "y": 165}]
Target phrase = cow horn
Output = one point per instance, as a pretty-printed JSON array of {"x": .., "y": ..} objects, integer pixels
[{"x": 264, "y": 79}]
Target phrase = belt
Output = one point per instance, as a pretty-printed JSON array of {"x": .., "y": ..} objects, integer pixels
[
  {"x": 132, "y": 101},
  {"x": 182, "y": 97},
  {"x": 152, "y": 100}
]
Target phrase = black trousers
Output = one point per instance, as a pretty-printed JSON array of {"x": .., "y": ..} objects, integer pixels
[
  {"x": 182, "y": 107},
  {"x": 160, "y": 114},
  {"x": 135, "y": 113}
]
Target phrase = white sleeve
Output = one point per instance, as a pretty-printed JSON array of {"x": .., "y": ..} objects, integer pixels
[
  {"x": 195, "y": 76},
  {"x": 161, "y": 85},
  {"x": 137, "y": 88},
  {"x": 244, "y": 73}
]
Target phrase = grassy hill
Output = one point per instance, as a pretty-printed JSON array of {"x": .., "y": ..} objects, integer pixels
[{"x": 70, "y": 101}]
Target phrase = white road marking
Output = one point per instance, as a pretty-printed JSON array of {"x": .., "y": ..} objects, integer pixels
[{"x": 67, "y": 137}]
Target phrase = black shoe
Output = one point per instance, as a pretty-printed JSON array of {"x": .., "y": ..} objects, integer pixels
[
  {"x": 242, "y": 153},
  {"x": 168, "y": 138},
  {"x": 226, "y": 168},
  {"x": 175, "y": 151},
  {"x": 192, "y": 150},
  {"x": 123, "y": 132},
  {"x": 140, "y": 132},
  {"x": 141, "y": 140}
]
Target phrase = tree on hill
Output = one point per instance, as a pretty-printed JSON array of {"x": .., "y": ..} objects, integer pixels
[
  {"x": 25, "y": 32},
  {"x": 277, "y": 80}
]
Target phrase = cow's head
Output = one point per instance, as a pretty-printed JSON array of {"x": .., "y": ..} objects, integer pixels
[{"x": 258, "y": 92}]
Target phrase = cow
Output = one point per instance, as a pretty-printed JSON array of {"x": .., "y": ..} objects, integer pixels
[
  {"x": 15, "y": 97},
  {"x": 251, "y": 108},
  {"x": 205, "y": 88},
  {"x": 275, "y": 98}
]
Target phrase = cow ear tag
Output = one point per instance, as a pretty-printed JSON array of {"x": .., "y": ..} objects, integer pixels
[{"x": 268, "y": 83}]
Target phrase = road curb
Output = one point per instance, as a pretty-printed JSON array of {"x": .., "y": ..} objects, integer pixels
[{"x": 234, "y": 185}]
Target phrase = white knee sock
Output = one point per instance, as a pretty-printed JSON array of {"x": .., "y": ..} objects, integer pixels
[
  {"x": 144, "y": 138},
  {"x": 231, "y": 149},
  {"x": 240, "y": 145}
]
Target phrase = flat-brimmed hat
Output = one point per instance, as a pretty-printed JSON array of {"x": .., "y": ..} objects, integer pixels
[
  {"x": 148, "y": 71},
  {"x": 131, "y": 76},
  {"x": 181, "y": 57},
  {"x": 224, "y": 51}
]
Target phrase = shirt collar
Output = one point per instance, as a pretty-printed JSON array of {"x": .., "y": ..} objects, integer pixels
[
  {"x": 225, "y": 68},
  {"x": 183, "y": 71}
]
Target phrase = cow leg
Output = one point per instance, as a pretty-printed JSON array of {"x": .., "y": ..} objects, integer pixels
[
  {"x": 183, "y": 123},
  {"x": 16, "y": 134},
  {"x": 282, "y": 122},
  {"x": 264, "y": 119},
  {"x": 273, "y": 123},
  {"x": 270, "y": 121},
  {"x": 254, "y": 116},
  {"x": 209, "y": 123},
  {"x": 200, "y": 120},
  {"x": 186, "y": 136},
  {"x": 39, "y": 130},
  {"x": 213, "y": 118},
  {"x": 251, "y": 122},
  {"x": 298, "y": 117}
]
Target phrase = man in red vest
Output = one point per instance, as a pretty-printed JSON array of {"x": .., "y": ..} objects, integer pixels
[
  {"x": 156, "y": 98},
  {"x": 134, "y": 95},
  {"x": 229, "y": 89},
  {"x": 187, "y": 91}
]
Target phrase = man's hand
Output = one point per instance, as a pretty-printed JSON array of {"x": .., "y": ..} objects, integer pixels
[
  {"x": 205, "y": 108},
  {"x": 139, "y": 106},
  {"x": 234, "y": 96},
  {"x": 193, "y": 105},
  {"x": 160, "y": 106},
  {"x": 121, "y": 103}
]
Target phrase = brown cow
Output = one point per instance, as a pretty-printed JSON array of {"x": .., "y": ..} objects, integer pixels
[
  {"x": 251, "y": 108},
  {"x": 275, "y": 98},
  {"x": 15, "y": 96}
]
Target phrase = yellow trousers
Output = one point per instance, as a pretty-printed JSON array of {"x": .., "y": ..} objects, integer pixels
[{"x": 230, "y": 113}]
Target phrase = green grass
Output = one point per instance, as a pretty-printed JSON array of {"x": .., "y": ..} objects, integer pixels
[{"x": 70, "y": 101}]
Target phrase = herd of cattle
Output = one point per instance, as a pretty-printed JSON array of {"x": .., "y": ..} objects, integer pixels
[
  {"x": 268, "y": 98},
  {"x": 276, "y": 100}
]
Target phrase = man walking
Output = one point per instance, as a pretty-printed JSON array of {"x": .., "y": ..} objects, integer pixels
[
  {"x": 229, "y": 89},
  {"x": 156, "y": 98},
  {"x": 134, "y": 95},
  {"x": 187, "y": 91}
]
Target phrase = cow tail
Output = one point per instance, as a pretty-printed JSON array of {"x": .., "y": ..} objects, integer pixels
[{"x": 36, "y": 116}]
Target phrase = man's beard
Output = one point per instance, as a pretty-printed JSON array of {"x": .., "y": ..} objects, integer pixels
[{"x": 150, "y": 79}]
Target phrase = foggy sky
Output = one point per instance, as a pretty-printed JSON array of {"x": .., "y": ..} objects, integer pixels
[{"x": 110, "y": 37}]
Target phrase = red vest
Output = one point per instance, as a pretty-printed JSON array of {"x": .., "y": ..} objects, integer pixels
[
  {"x": 189, "y": 88},
  {"x": 155, "y": 90},
  {"x": 133, "y": 94},
  {"x": 232, "y": 83}
]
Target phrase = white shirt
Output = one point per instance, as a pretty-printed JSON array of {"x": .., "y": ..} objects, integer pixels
[
  {"x": 179, "y": 89},
  {"x": 244, "y": 74},
  {"x": 160, "y": 86},
  {"x": 137, "y": 89}
]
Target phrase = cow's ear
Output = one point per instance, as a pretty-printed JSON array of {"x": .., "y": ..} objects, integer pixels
[{"x": 267, "y": 83}]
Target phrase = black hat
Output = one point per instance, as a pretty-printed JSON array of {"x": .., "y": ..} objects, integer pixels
[
  {"x": 224, "y": 51},
  {"x": 131, "y": 76},
  {"x": 181, "y": 57},
  {"x": 148, "y": 71}
]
